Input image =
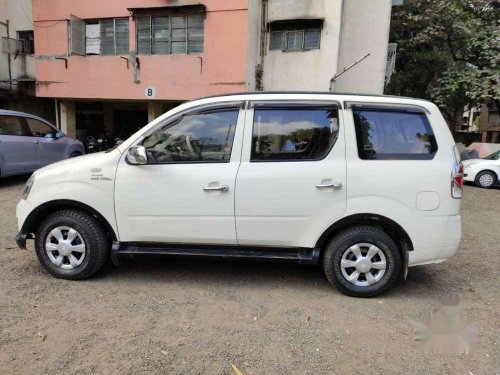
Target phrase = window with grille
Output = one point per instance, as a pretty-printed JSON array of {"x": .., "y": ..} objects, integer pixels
[
  {"x": 296, "y": 40},
  {"x": 165, "y": 35},
  {"x": 295, "y": 35},
  {"x": 25, "y": 42},
  {"x": 107, "y": 37}
]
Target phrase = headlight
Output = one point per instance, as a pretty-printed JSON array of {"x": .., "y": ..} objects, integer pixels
[
  {"x": 28, "y": 186},
  {"x": 469, "y": 166}
]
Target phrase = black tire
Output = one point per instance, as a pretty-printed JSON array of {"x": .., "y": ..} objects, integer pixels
[
  {"x": 485, "y": 173},
  {"x": 96, "y": 241},
  {"x": 75, "y": 154},
  {"x": 341, "y": 243}
]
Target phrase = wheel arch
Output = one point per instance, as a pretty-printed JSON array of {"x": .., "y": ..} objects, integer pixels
[
  {"x": 39, "y": 213},
  {"x": 72, "y": 148},
  {"x": 393, "y": 229},
  {"x": 487, "y": 170}
]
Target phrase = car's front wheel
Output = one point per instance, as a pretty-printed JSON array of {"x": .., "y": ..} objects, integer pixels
[
  {"x": 362, "y": 261},
  {"x": 485, "y": 179},
  {"x": 71, "y": 244}
]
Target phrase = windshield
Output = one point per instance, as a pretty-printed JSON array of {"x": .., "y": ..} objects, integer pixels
[{"x": 494, "y": 156}]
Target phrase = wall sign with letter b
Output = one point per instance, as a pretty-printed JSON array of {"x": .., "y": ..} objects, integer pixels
[{"x": 150, "y": 92}]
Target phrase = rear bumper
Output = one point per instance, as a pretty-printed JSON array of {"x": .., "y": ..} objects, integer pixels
[{"x": 450, "y": 243}]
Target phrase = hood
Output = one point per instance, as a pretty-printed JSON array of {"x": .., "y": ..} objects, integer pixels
[
  {"x": 480, "y": 162},
  {"x": 471, "y": 161},
  {"x": 79, "y": 163}
]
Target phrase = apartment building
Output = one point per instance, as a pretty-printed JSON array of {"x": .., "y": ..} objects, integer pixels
[
  {"x": 115, "y": 65},
  {"x": 17, "y": 61},
  {"x": 489, "y": 122}
]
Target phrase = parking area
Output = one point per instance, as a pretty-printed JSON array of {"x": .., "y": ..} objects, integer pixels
[{"x": 183, "y": 316}]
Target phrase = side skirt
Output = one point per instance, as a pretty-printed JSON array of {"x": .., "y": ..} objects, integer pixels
[{"x": 131, "y": 249}]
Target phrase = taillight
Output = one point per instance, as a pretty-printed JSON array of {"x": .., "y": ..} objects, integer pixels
[{"x": 457, "y": 181}]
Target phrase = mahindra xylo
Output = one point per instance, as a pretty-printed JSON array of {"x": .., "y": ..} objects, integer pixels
[{"x": 364, "y": 185}]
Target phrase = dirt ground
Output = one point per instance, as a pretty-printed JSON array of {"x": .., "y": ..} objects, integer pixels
[{"x": 181, "y": 316}]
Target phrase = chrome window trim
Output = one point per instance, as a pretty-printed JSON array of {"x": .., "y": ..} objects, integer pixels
[{"x": 386, "y": 106}]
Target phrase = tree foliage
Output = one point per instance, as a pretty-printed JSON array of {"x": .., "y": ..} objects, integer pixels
[{"x": 448, "y": 52}]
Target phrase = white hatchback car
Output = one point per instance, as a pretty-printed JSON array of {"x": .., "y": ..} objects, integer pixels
[
  {"x": 364, "y": 185},
  {"x": 485, "y": 172}
]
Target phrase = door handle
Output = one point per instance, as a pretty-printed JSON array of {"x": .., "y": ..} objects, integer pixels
[
  {"x": 223, "y": 188},
  {"x": 37, "y": 141},
  {"x": 333, "y": 185}
]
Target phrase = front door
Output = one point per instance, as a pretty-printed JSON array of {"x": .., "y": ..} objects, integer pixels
[
  {"x": 17, "y": 150},
  {"x": 49, "y": 149},
  {"x": 291, "y": 184},
  {"x": 185, "y": 194}
]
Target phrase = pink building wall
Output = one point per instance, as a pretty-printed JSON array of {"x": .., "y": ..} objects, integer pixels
[{"x": 221, "y": 68}]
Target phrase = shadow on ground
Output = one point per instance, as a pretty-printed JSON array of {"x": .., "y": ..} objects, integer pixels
[
  {"x": 215, "y": 273},
  {"x": 14, "y": 180}
]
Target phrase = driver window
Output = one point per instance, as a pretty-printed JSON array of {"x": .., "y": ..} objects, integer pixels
[
  {"x": 200, "y": 137},
  {"x": 40, "y": 129}
]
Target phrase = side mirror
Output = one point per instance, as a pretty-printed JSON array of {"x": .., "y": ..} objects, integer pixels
[
  {"x": 59, "y": 135},
  {"x": 137, "y": 155}
]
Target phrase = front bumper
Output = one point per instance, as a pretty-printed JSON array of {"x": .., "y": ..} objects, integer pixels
[
  {"x": 21, "y": 240},
  {"x": 23, "y": 210}
]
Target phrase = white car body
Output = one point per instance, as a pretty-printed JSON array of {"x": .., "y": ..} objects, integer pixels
[
  {"x": 472, "y": 167},
  {"x": 267, "y": 204}
]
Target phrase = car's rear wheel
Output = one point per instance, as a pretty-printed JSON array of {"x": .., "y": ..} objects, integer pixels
[
  {"x": 485, "y": 179},
  {"x": 71, "y": 244},
  {"x": 362, "y": 261},
  {"x": 75, "y": 154}
]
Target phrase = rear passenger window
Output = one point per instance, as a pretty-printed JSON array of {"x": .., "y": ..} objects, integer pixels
[
  {"x": 11, "y": 125},
  {"x": 391, "y": 135},
  {"x": 293, "y": 134}
]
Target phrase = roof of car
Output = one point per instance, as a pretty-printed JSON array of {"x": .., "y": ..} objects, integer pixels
[
  {"x": 6, "y": 112},
  {"x": 310, "y": 93},
  {"x": 11, "y": 113}
]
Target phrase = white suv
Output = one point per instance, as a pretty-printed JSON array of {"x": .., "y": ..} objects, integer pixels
[{"x": 364, "y": 185}]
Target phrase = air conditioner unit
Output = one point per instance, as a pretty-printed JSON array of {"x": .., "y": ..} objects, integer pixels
[{"x": 9, "y": 45}]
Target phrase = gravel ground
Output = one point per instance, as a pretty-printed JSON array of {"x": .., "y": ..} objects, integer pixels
[{"x": 178, "y": 316}]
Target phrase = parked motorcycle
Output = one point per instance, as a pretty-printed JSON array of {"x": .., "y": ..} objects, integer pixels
[{"x": 103, "y": 142}]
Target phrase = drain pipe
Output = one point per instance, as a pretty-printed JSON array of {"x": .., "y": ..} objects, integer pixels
[
  {"x": 6, "y": 24},
  {"x": 58, "y": 125}
]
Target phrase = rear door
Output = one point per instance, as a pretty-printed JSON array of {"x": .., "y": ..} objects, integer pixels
[
  {"x": 48, "y": 148},
  {"x": 17, "y": 151},
  {"x": 291, "y": 184}
]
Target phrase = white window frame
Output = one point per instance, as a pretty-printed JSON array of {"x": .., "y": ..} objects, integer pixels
[{"x": 285, "y": 40}]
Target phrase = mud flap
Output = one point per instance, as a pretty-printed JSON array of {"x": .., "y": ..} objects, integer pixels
[{"x": 115, "y": 257}]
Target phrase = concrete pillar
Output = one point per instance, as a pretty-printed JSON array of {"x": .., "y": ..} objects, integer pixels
[
  {"x": 107, "y": 109},
  {"x": 485, "y": 137},
  {"x": 68, "y": 117},
  {"x": 155, "y": 109}
]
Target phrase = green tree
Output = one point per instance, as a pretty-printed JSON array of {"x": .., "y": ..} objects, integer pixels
[{"x": 448, "y": 52}]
